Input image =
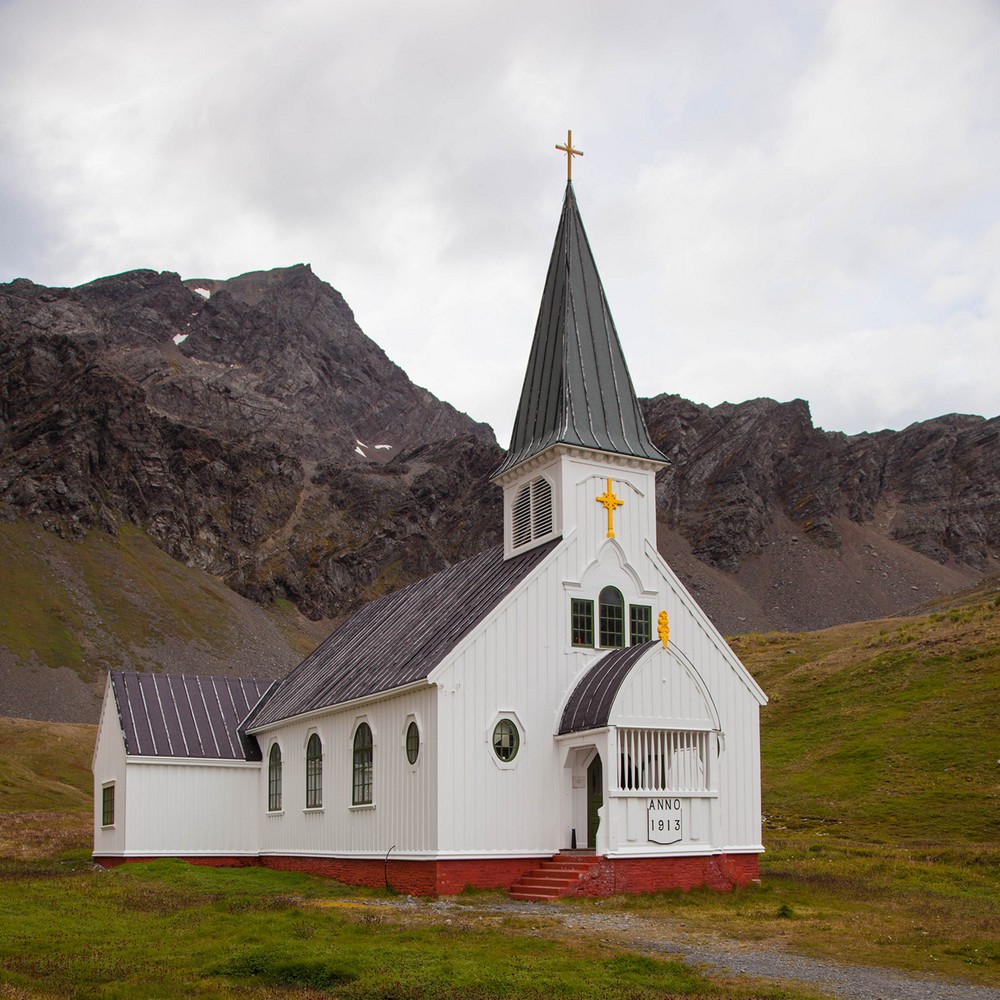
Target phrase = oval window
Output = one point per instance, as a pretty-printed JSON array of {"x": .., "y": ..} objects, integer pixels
[
  {"x": 412, "y": 742},
  {"x": 505, "y": 740}
]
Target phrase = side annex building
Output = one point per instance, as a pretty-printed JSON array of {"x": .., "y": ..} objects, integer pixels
[{"x": 553, "y": 716}]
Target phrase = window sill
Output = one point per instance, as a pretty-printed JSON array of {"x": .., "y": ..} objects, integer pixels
[
  {"x": 276, "y": 812},
  {"x": 107, "y": 826},
  {"x": 312, "y": 809},
  {"x": 361, "y": 807}
]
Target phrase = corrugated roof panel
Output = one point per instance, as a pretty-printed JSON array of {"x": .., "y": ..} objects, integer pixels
[
  {"x": 142, "y": 735},
  {"x": 178, "y": 715},
  {"x": 213, "y": 692},
  {"x": 202, "y": 720},
  {"x": 577, "y": 388},
  {"x": 400, "y": 638},
  {"x": 589, "y": 705},
  {"x": 185, "y": 719}
]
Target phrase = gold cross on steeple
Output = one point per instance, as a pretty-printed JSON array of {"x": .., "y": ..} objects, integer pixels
[
  {"x": 570, "y": 153},
  {"x": 610, "y": 501}
]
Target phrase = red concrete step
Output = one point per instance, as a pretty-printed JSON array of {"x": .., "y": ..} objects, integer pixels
[{"x": 554, "y": 878}]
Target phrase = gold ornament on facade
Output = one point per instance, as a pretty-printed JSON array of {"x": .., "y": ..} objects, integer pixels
[
  {"x": 663, "y": 628},
  {"x": 610, "y": 501}
]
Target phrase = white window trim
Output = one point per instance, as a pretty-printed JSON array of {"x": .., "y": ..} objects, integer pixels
[
  {"x": 114, "y": 805},
  {"x": 506, "y": 765},
  {"x": 414, "y": 718}
]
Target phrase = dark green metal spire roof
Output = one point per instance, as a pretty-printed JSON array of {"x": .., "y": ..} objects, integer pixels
[{"x": 577, "y": 388}]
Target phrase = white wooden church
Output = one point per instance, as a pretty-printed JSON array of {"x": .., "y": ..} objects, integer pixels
[{"x": 553, "y": 716}]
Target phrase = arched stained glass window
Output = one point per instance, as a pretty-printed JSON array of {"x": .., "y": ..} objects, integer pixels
[
  {"x": 314, "y": 772},
  {"x": 612, "y": 617},
  {"x": 274, "y": 779},
  {"x": 362, "y": 791}
]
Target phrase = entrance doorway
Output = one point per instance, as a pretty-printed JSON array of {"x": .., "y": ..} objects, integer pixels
[{"x": 595, "y": 799}]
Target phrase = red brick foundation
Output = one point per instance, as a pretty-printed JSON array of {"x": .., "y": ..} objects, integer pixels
[
  {"x": 415, "y": 878},
  {"x": 609, "y": 876},
  {"x": 722, "y": 872}
]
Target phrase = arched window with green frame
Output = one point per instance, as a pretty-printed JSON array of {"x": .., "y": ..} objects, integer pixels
[
  {"x": 274, "y": 779},
  {"x": 314, "y": 772},
  {"x": 611, "y": 615},
  {"x": 363, "y": 753}
]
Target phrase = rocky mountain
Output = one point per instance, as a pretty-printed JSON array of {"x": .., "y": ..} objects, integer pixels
[
  {"x": 248, "y": 426},
  {"x": 777, "y": 523},
  {"x": 252, "y": 431}
]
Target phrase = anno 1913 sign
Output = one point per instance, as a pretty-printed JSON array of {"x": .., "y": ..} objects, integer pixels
[{"x": 666, "y": 821}]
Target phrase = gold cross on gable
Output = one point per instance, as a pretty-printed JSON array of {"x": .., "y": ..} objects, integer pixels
[
  {"x": 610, "y": 501},
  {"x": 570, "y": 153}
]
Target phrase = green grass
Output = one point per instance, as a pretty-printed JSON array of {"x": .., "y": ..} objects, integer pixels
[
  {"x": 167, "y": 929},
  {"x": 884, "y": 732},
  {"x": 103, "y": 603},
  {"x": 45, "y": 766}
]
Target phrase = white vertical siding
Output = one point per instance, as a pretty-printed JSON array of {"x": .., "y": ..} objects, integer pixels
[
  {"x": 520, "y": 662},
  {"x": 178, "y": 807},
  {"x": 109, "y": 766},
  {"x": 402, "y": 815}
]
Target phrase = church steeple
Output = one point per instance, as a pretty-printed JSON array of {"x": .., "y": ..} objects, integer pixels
[{"x": 577, "y": 390}]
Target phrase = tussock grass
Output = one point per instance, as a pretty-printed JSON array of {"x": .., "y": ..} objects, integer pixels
[
  {"x": 45, "y": 766},
  {"x": 89, "y": 605}
]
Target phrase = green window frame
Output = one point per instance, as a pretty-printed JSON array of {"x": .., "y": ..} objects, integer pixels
[
  {"x": 412, "y": 743},
  {"x": 581, "y": 617},
  {"x": 640, "y": 623},
  {"x": 314, "y": 773},
  {"x": 274, "y": 779},
  {"x": 108, "y": 805},
  {"x": 506, "y": 740},
  {"x": 361, "y": 794},
  {"x": 612, "y": 618}
]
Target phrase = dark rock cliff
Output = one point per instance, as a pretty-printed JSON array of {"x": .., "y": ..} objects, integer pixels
[{"x": 253, "y": 431}]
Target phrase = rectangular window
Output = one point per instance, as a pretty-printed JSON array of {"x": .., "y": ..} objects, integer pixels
[
  {"x": 108, "y": 805},
  {"x": 582, "y": 622},
  {"x": 612, "y": 624},
  {"x": 640, "y": 624}
]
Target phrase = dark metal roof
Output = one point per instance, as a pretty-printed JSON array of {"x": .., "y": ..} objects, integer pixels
[
  {"x": 577, "y": 389},
  {"x": 401, "y": 637},
  {"x": 589, "y": 706},
  {"x": 177, "y": 715}
]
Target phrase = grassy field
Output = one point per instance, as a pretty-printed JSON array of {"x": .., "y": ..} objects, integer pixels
[
  {"x": 99, "y": 604},
  {"x": 882, "y": 798}
]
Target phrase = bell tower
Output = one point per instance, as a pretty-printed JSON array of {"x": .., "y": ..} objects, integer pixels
[{"x": 578, "y": 430}]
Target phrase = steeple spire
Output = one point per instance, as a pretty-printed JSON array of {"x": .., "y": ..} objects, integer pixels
[{"x": 577, "y": 389}]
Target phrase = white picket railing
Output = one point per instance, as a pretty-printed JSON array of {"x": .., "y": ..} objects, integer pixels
[{"x": 663, "y": 760}]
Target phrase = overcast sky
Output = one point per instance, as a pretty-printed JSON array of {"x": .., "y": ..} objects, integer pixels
[{"x": 785, "y": 199}]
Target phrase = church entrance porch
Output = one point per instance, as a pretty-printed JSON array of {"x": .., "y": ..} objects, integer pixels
[
  {"x": 583, "y": 798},
  {"x": 595, "y": 799}
]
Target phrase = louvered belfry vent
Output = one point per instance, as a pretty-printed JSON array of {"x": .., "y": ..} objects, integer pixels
[
  {"x": 531, "y": 513},
  {"x": 541, "y": 508},
  {"x": 521, "y": 516}
]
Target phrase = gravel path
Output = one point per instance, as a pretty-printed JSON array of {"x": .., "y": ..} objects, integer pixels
[{"x": 716, "y": 956}]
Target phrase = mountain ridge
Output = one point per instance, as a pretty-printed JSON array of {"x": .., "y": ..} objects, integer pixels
[{"x": 253, "y": 432}]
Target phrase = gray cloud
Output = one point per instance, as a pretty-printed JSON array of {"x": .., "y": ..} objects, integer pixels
[{"x": 784, "y": 199}]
